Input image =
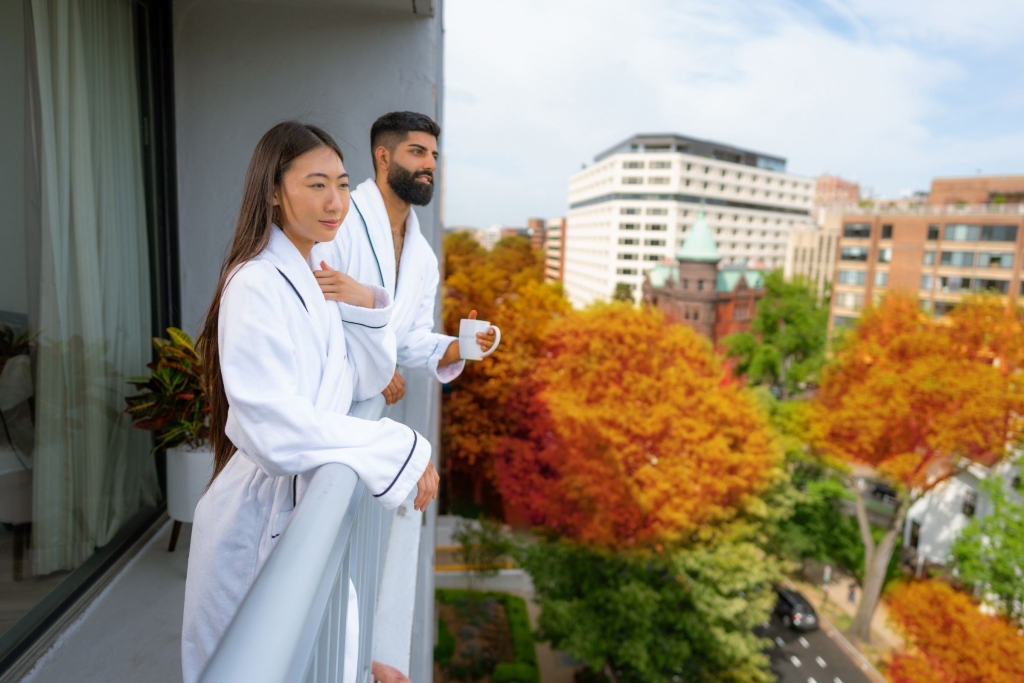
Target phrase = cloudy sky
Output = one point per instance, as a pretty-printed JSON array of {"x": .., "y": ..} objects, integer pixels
[{"x": 886, "y": 92}]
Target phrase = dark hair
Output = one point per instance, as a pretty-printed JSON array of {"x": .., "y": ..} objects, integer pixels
[
  {"x": 274, "y": 154},
  {"x": 392, "y": 129}
]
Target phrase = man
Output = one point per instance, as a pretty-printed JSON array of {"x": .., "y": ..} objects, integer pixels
[{"x": 381, "y": 243}]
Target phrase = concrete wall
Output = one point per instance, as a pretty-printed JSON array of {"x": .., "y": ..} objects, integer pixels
[
  {"x": 13, "y": 284},
  {"x": 241, "y": 67}
]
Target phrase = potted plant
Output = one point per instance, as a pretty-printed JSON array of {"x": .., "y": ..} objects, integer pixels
[{"x": 173, "y": 406}]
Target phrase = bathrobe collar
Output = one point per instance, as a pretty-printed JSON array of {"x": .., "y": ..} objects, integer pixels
[
  {"x": 298, "y": 272},
  {"x": 369, "y": 203}
]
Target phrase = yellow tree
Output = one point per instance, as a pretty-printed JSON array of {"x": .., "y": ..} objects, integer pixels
[
  {"x": 918, "y": 401},
  {"x": 626, "y": 432}
]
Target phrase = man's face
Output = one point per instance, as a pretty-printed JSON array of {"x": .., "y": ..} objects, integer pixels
[{"x": 411, "y": 168}]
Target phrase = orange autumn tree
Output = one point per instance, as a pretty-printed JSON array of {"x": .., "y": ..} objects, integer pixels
[
  {"x": 505, "y": 286},
  {"x": 952, "y": 640},
  {"x": 626, "y": 432},
  {"x": 918, "y": 400}
]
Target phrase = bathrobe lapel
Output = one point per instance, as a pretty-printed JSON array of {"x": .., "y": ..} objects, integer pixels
[
  {"x": 293, "y": 268},
  {"x": 369, "y": 204}
]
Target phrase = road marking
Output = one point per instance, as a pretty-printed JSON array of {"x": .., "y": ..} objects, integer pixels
[
  {"x": 820, "y": 661},
  {"x": 795, "y": 660},
  {"x": 803, "y": 641},
  {"x": 780, "y": 642}
]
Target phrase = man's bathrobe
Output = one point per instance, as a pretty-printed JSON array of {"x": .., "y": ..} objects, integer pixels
[
  {"x": 292, "y": 365},
  {"x": 365, "y": 250}
]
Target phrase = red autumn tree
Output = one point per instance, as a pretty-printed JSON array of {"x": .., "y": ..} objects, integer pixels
[
  {"x": 506, "y": 287},
  {"x": 952, "y": 640},
  {"x": 917, "y": 400},
  {"x": 625, "y": 432}
]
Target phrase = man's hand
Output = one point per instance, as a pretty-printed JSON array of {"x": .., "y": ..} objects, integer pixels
[
  {"x": 484, "y": 339},
  {"x": 382, "y": 673},
  {"x": 426, "y": 488},
  {"x": 395, "y": 390},
  {"x": 338, "y": 286}
]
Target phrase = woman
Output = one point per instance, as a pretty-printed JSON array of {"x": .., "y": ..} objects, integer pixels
[{"x": 282, "y": 370}]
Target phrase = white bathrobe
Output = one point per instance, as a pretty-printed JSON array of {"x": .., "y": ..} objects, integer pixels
[
  {"x": 292, "y": 366},
  {"x": 365, "y": 250}
]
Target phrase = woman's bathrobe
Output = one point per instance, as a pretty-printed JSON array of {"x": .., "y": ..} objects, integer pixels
[{"x": 292, "y": 364}]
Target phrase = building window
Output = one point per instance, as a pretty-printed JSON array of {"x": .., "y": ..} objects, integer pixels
[
  {"x": 886, "y": 232},
  {"x": 686, "y": 283},
  {"x": 654, "y": 243},
  {"x": 657, "y": 227},
  {"x": 629, "y": 226},
  {"x": 657, "y": 212},
  {"x": 857, "y": 230},
  {"x": 853, "y": 254},
  {"x": 981, "y": 233},
  {"x": 628, "y": 257},
  {"x": 661, "y": 164},
  {"x": 629, "y": 211},
  {"x": 625, "y": 271},
  {"x": 696, "y": 312},
  {"x": 629, "y": 240},
  {"x": 658, "y": 180},
  {"x": 632, "y": 164},
  {"x": 990, "y": 260},
  {"x": 700, "y": 285},
  {"x": 651, "y": 257},
  {"x": 970, "y": 503},
  {"x": 1000, "y": 286},
  {"x": 954, "y": 284},
  {"x": 926, "y": 282},
  {"x": 851, "y": 300},
  {"x": 689, "y": 166},
  {"x": 943, "y": 307},
  {"x": 960, "y": 259},
  {"x": 885, "y": 255},
  {"x": 929, "y": 258},
  {"x": 881, "y": 278},
  {"x": 843, "y": 321},
  {"x": 933, "y": 233},
  {"x": 632, "y": 180}
]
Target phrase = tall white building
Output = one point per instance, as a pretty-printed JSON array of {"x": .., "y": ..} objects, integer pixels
[{"x": 636, "y": 204}]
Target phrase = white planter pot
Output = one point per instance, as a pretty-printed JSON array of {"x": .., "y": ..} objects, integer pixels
[{"x": 188, "y": 473}]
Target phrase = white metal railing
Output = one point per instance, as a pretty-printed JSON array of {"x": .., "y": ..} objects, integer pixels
[{"x": 292, "y": 624}]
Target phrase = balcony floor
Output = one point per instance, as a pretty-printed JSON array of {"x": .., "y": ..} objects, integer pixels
[{"x": 132, "y": 631}]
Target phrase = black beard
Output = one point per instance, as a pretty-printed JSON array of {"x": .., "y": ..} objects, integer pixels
[{"x": 404, "y": 183}]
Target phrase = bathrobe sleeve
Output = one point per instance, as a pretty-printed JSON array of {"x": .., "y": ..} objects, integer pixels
[
  {"x": 420, "y": 346},
  {"x": 370, "y": 344},
  {"x": 279, "y": 429}
]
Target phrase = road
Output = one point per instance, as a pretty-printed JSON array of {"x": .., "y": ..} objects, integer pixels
[{"x": 810, "y": 657}]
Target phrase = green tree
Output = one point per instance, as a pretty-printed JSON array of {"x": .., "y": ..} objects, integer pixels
[
  {"x": 785, "y": 347},
  {"x": 989, "y": 553},
  {"x": 623, "y": 292},
  {"x": 680, "y": 615}
]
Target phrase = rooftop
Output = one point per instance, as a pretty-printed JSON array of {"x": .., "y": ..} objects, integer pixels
[
  {"x": 699, "y": 245},
  {"x": 672, "y": 142}
]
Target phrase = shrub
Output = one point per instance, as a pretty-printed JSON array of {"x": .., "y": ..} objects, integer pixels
[{"x": 445, "y": 648}]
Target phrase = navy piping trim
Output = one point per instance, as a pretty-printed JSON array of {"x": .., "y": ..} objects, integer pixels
[
  {"x": 372, "y": 327},
  {"x": 293, "y": 288},
  {"x": 366, "y": 228},
  {"x": 415, "y": 439}
]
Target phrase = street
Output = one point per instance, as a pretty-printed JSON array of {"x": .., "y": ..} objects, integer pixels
[{"x": 810, "y": 657}]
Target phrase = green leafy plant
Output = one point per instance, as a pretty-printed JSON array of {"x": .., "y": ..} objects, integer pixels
[
  {"x": 172, "y": 403},
  {"x": 483, "y": 547},
  {"x": 12, "y": 344}
]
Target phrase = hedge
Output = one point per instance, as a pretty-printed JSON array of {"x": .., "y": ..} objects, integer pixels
[
  {"x": 524, "y": 668},
  {"x": 445, "y": 648}
]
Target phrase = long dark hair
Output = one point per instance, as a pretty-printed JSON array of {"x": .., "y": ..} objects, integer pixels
[{"x": 273, "y": 156}]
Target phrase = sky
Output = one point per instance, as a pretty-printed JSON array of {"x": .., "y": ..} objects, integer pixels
[{"x": 889, "y": 93}]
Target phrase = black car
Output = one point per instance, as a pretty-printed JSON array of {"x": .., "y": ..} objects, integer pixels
[{"x": 795, "y": 611}]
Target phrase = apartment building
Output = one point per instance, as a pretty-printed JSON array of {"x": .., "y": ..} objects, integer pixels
[
  {"x": 536, "y": 227},
  {"x": 554, "y": 250},
  {"x": 939, "y": 252},
  {"x": 637, "y": 203},
  {"x": 812, "y": 251}
]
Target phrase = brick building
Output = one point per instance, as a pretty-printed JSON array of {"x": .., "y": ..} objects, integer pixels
[
  {"x": 1008, "y": 189},
  {"x": 831, "y": 190},
  {"x": 695, "y": 292},
  {"x": 536, "y": 228}
]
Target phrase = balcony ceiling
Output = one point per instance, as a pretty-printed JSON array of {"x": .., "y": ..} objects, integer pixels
[{"x": 423, "y": 8}]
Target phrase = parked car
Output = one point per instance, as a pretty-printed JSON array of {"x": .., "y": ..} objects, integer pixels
[{"x": 795, "y": 611}]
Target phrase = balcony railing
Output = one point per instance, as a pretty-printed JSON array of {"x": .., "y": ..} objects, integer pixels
[{"x": 292, "y": 624}]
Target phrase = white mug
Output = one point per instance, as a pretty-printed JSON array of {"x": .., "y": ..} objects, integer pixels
[{"x": 469, "y": 348}]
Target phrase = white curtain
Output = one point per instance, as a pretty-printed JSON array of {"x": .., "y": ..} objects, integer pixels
[{"x": 93, "y": 470}]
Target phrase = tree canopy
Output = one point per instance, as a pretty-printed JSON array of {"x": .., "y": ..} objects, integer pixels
[{"x": 625, "y": 431}]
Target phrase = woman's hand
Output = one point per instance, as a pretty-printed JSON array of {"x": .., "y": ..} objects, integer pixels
[
  {"x": 395, "y": 390},
  {"x": 427, "y": 488},
  {"x": 337, "y": 286}
]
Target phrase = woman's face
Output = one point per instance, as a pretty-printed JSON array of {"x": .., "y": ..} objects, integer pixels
[{"x": 313, "y": 198}]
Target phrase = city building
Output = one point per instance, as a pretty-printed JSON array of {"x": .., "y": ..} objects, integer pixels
[
  {"x": 1005, "y": 189},
  {"x": 554, "y": 250},
  {"x": 127, "y": 128},
  {"x": 832, "y": 190},
  {"x": 940, "y": 252},
  {"x": 637, "y": 202},
  {"x": 696, "y": 292},
  {"x": 535, "y": 228},
  {"x": 811, "y": 253}
]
